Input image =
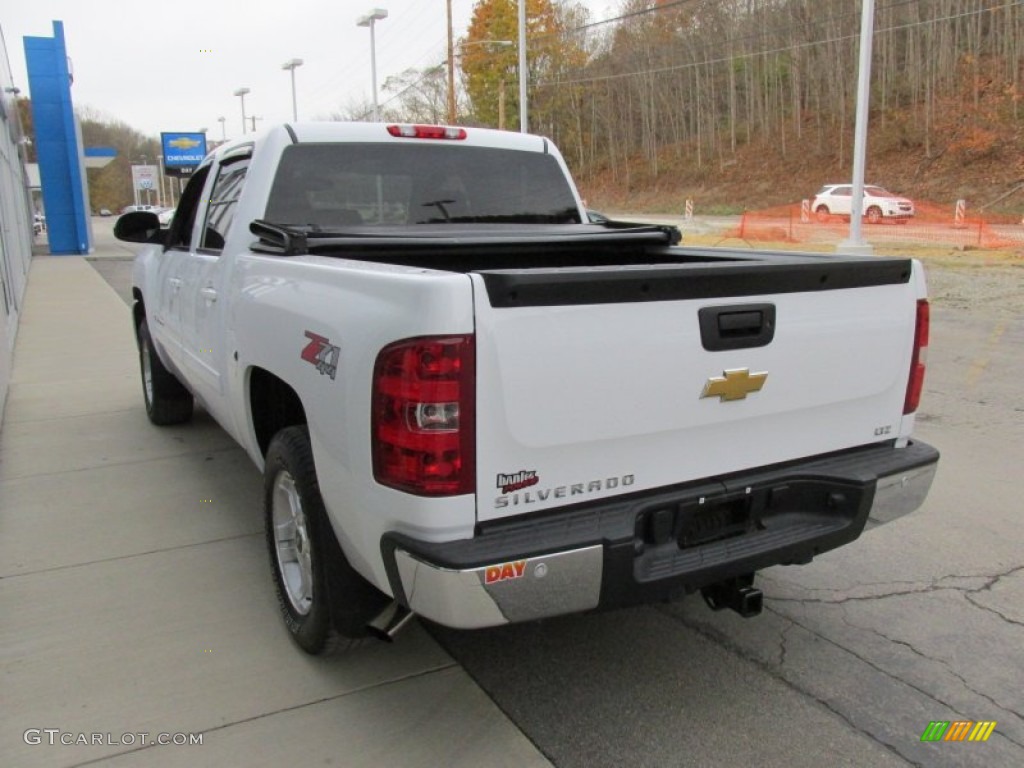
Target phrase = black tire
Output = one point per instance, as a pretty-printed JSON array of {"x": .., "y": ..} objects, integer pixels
[
  {"x": 822, "y": 213},
  {"x": 324, "y": 602},
  {"x": 167, "y": 400},
  {"x": 874, "y": 215}
]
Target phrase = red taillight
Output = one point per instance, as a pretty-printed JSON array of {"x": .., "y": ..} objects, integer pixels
[
  {"x": 407, "y": 131},
  {"x": 917, "y": 360},
  {"x": 424, "y": 435}
]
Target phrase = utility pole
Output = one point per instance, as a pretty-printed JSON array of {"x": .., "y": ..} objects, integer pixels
[{"x": 501, "y": 104}]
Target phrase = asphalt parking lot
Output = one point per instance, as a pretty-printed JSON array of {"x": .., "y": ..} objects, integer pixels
[
  {"x": 854, "y": 655},
  {"x": 917, "y": 621}
]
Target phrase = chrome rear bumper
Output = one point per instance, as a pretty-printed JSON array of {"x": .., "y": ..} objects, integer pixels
[
  {"x": 517, "y": 590},
  {"x": 618, "y": 552}
]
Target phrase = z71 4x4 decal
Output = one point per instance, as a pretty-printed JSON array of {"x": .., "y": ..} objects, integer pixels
[{"x": 321, "y": 353}]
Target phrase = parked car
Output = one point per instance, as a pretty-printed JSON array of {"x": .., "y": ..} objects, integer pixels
[
  {"x": 105, "y": 212},
  {"x": 879, "y": 203},
  {"x": 165, "y": 215},
  {"x": 38, "y": 223}
]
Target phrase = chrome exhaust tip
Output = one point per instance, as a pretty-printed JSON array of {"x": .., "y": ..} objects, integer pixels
[{"x": 389, "y": 622}]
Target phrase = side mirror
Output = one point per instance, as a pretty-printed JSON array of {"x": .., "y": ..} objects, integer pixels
[{"x": 139, "y": 227}]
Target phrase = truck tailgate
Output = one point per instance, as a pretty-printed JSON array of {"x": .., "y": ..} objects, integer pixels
[{"x": 598, "y": 382}]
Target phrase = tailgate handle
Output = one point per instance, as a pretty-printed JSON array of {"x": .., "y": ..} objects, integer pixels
[{"x": 736, "y": 326}]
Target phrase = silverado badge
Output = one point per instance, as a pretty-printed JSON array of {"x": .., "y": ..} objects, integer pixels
[{"x": 735, "y": 384}]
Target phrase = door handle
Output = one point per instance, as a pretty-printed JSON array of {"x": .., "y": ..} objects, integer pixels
[
  {"x": 738, "y": 326},
  {"x": 208, "y": 293}
]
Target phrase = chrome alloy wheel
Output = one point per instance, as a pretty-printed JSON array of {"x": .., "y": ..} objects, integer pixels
[{"x": 292, "y": 544}]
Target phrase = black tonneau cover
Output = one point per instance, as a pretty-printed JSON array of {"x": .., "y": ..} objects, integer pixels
[
  {"x": 294, "y": 241},
  {"x": 564, "y": 264}
]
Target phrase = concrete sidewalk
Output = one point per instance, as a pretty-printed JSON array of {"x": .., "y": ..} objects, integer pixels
[{"x": 135, "y": 593}]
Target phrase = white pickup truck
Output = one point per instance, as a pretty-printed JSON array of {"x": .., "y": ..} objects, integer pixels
[{"x": 471, "y": 404}]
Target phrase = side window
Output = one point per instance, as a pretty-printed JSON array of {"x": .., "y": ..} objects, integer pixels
[
  {"x": 223, "y": 201},
  {"x": 180, "y": 235},
  {"x": 844, "y": 191}
]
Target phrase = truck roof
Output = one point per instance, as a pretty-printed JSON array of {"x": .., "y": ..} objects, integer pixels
[{"x": 329, "y": 132}]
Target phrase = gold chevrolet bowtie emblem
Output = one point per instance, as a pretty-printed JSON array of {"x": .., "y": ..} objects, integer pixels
[{"x": 735, "y": 384}]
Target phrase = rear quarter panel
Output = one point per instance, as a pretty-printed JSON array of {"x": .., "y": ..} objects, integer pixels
[{"x": 359, "y": 308}]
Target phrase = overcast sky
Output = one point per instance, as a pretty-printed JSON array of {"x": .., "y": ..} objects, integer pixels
[{"x": 174, "y": 66}]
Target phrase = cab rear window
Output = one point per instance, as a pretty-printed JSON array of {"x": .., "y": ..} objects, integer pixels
[{"x": 344, "y": 185}]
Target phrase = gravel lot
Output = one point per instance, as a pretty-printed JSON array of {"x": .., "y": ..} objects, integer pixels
[{"x": 987, "y": 285}]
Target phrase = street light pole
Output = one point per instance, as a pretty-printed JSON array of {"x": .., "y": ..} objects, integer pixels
[
  {"x": 377, "y": 14},
  {"x": 451, "y": 69},
  {"x": 223, "y": 130},
  {"x": 240, "y": 93},
  {"x": 855, "y": 243},
  {"x": 523, "y": 121},
  {"x": 291, "y": 64}
]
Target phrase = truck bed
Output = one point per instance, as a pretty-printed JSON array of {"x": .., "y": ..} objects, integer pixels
[{"x": 519, "y": 259}]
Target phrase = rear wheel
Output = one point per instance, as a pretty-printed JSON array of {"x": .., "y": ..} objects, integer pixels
[
  {"x": 167, "y": 400},
  {"x": 822, "y": 212},
  {"x": 874, "y": 214},
  {"x": 324, "y": 602}
]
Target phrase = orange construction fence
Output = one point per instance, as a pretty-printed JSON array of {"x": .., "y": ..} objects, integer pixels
[{"x": 953, "y": 225}]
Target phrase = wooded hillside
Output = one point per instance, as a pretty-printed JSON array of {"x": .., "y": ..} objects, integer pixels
[{"x": 752, "y": 101}]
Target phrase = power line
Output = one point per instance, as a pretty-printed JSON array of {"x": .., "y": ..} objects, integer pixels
[{"x": 755, "y": 54}]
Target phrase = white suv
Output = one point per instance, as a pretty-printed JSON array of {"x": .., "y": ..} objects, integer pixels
[{"x": 879, "y": 204}]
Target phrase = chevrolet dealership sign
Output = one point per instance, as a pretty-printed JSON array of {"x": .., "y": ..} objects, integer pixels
[{"x": 182, "y": 152}]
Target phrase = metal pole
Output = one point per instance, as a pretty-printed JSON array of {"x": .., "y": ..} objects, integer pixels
[
  {"x": 369, "y": 20},
  {"x": 240, "y": 93},
  {"x": 855, "y": 243},
  {"x": 295, "y": 104},
  {"x": 373, "y": 70},
  {"x": 451, "y": 69},
  {"x": 523, "y": 119},
  {"x": 291, "y": 64}
]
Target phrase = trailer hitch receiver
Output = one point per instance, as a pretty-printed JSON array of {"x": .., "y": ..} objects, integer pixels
[{"x": 739, "y": 594}]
